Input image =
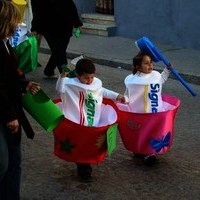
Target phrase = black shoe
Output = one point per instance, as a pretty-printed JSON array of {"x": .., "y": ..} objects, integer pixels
[
  {"x": 54, "y": 76},
  {"x": 137, "y": 155},
  {"x": 50, "y": 76},
  {"x": 86, "y": 179},
  {"x": 150, "y": 160}
]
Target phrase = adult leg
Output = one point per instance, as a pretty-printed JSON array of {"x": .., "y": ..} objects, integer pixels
[
  {"x": 3, "y": 161},
  {"x": 58, "y": 47},
  {"x": 14, "y": 172},
  {"x": 39, "y": 39},
  {"x": 12, "y": 179}
]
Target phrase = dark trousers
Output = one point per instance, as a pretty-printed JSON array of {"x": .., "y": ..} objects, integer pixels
[
  {"x": 10, "y": 166},
  {"x": 58, "y": 47},
  {"x": 84, "y": 170}
]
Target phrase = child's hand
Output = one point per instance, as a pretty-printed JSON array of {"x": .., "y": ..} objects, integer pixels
[
  {"x": 13, "y": 126},
  {"x": 167, "y": 68},
  {"x": 63, "y": 74},
  {"x": 121, "y": 98}
]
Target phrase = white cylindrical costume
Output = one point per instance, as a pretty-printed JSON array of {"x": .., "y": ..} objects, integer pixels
[
  {"x": 82, "y": 103},
  {"x": 143, "y": 91},
  {"x": 19, "y": 36}
]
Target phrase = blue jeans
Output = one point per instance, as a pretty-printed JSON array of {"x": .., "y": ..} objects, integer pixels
[{"x": 10, "y": 166}]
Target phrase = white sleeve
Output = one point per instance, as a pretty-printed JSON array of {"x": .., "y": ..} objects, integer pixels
[
  {"x": 165, "y": 74},
  {"x": 28, "y": 15},
  {"x": 109, "y": 94},
  {"x": 60, "y": 84}
]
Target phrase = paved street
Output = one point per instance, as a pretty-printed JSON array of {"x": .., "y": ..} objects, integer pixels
[{"x": 119, "y": 177}]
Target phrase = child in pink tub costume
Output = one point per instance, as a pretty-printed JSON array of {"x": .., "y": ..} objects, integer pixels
[{"x": 144, "y": 95}]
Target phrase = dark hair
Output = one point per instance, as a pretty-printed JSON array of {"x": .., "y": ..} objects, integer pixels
[
  {"x": 85, "y": 66},
  {"x": 137, "y": 60}
]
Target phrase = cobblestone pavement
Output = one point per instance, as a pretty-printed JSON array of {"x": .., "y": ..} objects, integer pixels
[{"x": 119, "y": 177}]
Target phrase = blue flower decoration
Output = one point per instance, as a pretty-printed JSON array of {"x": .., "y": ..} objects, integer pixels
[{"x": 159, "y": 144}]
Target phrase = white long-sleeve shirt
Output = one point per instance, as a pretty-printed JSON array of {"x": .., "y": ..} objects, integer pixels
[
  {"x": 143, "y": 91},
  {"x": 81, "y": 103}
]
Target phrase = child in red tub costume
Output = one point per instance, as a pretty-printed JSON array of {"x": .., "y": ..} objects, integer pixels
[{"x": 82, "y": 98}]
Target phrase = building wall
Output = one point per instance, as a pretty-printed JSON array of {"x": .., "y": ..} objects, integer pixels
[
  {"x": 85, "y": 6},
  {"x": 175, "y": 22}
]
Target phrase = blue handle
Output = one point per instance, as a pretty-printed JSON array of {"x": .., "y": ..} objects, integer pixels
[
  {"x": 147, "y": 46},
  {"x": 176, "y": 74}
]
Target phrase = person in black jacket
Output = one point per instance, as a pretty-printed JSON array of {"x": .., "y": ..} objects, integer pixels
[
  {"x": 12, "y": 116},
  {"x": 55, "y": 20}
]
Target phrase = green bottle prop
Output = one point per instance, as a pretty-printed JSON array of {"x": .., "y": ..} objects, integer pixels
[
  {"x": 71, "y": 73},
  {"x": 42, "y": 109},
  {"x": 77, "y": 32}
]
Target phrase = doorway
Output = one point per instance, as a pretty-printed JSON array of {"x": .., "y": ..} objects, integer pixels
[{"x": 105, "y": 6}]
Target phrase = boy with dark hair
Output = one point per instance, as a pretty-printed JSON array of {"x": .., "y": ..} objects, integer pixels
[{"x": 75, "y": 93}]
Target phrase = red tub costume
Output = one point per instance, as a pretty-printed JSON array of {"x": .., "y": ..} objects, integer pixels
[{"x": 84, "y": 144}]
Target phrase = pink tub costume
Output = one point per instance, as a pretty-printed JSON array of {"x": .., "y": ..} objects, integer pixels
[
  {"x": 147, "y": 127},
  {"x": 81, "y": 136}
]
